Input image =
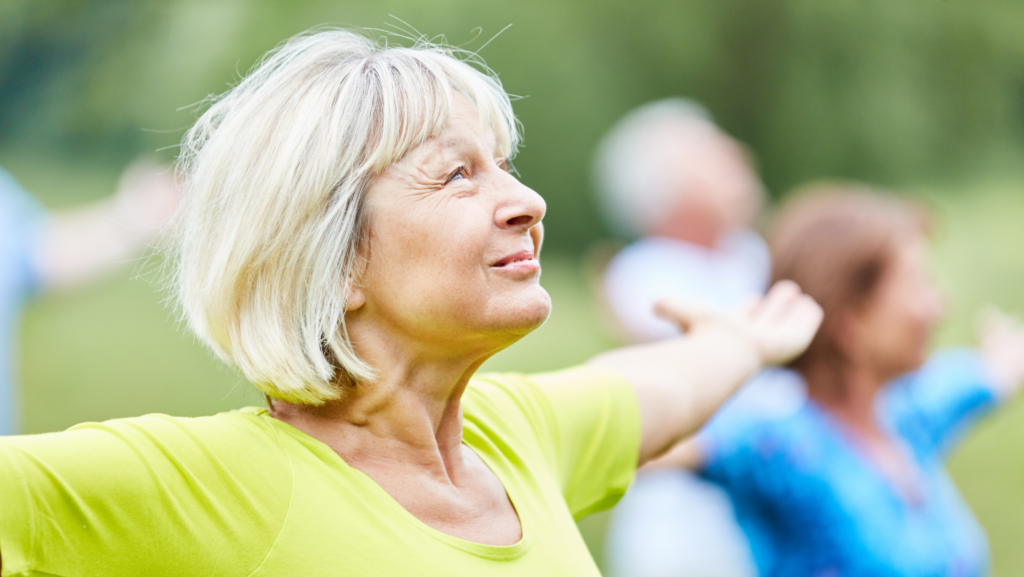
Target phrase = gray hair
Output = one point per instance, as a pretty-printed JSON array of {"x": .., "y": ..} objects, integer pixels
[
  {"x": 629, "y": 169},
  {"x": 276, "y": 171}
]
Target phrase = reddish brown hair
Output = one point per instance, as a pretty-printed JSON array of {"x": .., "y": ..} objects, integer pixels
[{"x": 836, "y": 241}]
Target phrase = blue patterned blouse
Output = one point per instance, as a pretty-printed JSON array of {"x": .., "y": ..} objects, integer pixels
[{"x": 812, "y": 506}]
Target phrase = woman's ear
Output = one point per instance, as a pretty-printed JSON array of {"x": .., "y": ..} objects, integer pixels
[
  {"x": 355, "y": 298},
  {"x": 846, "y": 334}
]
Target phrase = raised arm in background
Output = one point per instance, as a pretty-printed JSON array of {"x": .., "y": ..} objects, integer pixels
[
  {"x": 80, "y": 243},
  {"x": 1000, "y": 345}
]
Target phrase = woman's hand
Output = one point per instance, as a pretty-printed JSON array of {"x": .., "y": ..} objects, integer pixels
[
  {"x": 1002, "y": 349},
  {"x": 779, "y": 326},
  {"x": 680, "y": 383}
]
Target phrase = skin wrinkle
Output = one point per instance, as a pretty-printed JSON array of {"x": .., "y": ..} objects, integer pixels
[
  {"x": 427, "y": 305},
  {"x": 426, "y": 310},
  {"x": 430, "y": 306}
]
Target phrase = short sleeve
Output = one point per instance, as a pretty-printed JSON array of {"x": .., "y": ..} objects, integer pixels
[
  {"x": 935, "y": 405},
  {"x": 21, "y": 219},
  {"x": 148, "y": 496},
  {"x": 596, "y": 435}
]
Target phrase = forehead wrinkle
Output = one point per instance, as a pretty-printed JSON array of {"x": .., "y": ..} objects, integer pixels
[
  {"x": 467, "y": 120},
  {"x": 481, "y": 141},
  {"x": 459, "y": 137},
  {"x": 429, "y": 153}
]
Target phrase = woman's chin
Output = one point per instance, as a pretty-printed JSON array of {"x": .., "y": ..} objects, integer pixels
[{"x": 527, "y": 313}]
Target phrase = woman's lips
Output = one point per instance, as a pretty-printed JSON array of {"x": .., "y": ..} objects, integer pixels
[{"x": 522, "y": 260}]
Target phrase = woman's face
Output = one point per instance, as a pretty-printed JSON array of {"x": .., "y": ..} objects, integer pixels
[
  {"x": 893, "y": 330},
  {"x": 454, "y": 242}
]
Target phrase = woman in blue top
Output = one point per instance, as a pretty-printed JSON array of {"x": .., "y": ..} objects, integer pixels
[{"x": 853, "y": 482}]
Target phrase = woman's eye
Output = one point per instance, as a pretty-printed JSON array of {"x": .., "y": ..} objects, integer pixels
[{"x": 457, "y": 175}]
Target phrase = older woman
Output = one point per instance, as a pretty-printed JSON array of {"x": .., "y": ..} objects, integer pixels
[
  {"x": 352, "y": 242},
  {"x": 853, "y": 482}
]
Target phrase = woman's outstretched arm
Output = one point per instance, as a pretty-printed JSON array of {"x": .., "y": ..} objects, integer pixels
[{"x": 680, "y": 383}]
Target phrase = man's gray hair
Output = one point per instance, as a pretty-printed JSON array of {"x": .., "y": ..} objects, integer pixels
[{"x": 631, "y": 172}]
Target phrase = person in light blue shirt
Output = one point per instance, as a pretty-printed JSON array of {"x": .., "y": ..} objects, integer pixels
[
  {"x": 688, "y": 194},
  {"x": 853, "y": 482},
  {"x": 40, "y": 251},
  {"x": 21, "y": 219}
]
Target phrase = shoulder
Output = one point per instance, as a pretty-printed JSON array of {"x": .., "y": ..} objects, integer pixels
[
  {"x": 509, "y": 402},
  {"x": 643, "y": 253},
  {"x": 199, "y": 494},
  {"x": 746, "y": 242},
  {"x": 232, "y": 430},
  {"x": 556, "y": 407},
  {"x": 533, "y": 395},
  {"x": 122, "y": 450},
  {"x": 748, "y": 257}
]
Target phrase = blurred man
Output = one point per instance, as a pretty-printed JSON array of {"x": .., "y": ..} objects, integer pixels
[
  {"x": 670, "y": 177},
  {"x": 41, "y": 251}
]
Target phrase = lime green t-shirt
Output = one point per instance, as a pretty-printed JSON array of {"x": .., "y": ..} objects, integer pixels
[{"x": 242, "y": 493}]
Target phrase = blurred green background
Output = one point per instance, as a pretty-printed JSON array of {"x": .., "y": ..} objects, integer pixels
[{"x": 925, "y": 96}]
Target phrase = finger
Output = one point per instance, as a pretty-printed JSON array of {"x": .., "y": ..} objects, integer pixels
[
  {"x": 683, "y": 314},
  {"x": 779, "y": 300},
  {"x": 810, "y": 312},
  {"x": 749, "y": 306},
  {"x": 803, "y": 321}
]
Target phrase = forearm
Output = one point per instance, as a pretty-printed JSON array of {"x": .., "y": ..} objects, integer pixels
[
  {"x": 77, "y": 245},
  {"x": 686, "y": 454},
  {"x": 680, "y": 383}
]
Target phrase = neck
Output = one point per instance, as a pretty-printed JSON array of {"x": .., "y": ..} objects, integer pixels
[
  {"x": 849, "y": 395},
  {"x": 411, "y": 414}
]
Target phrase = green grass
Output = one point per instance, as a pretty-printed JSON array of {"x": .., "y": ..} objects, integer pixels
[{"x": 112, "y": 349}]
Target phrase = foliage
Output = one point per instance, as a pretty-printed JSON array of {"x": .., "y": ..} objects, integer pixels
[
  {"x": 884, "y": 91},
  {"x": 113, "y": 350}
]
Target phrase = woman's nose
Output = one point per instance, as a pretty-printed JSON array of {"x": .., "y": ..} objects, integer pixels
[{"x": 522, "y": 208}]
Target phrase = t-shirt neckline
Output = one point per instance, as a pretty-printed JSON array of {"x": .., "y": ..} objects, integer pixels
[{"x": 492, "y": 552}]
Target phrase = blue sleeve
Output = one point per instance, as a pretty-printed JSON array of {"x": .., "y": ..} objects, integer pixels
[
  {"x": 936, "y": 404},
  {"x": 755, "y": 467},
  {"x": 755, "y": 462},
  {"x": 21, "y": 219}
]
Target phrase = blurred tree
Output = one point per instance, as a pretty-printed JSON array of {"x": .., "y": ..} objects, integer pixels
[{"x": 890, "y": 92}]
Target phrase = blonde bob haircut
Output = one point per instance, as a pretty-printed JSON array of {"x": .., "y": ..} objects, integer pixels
[{"x": 276, "y": 172}]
